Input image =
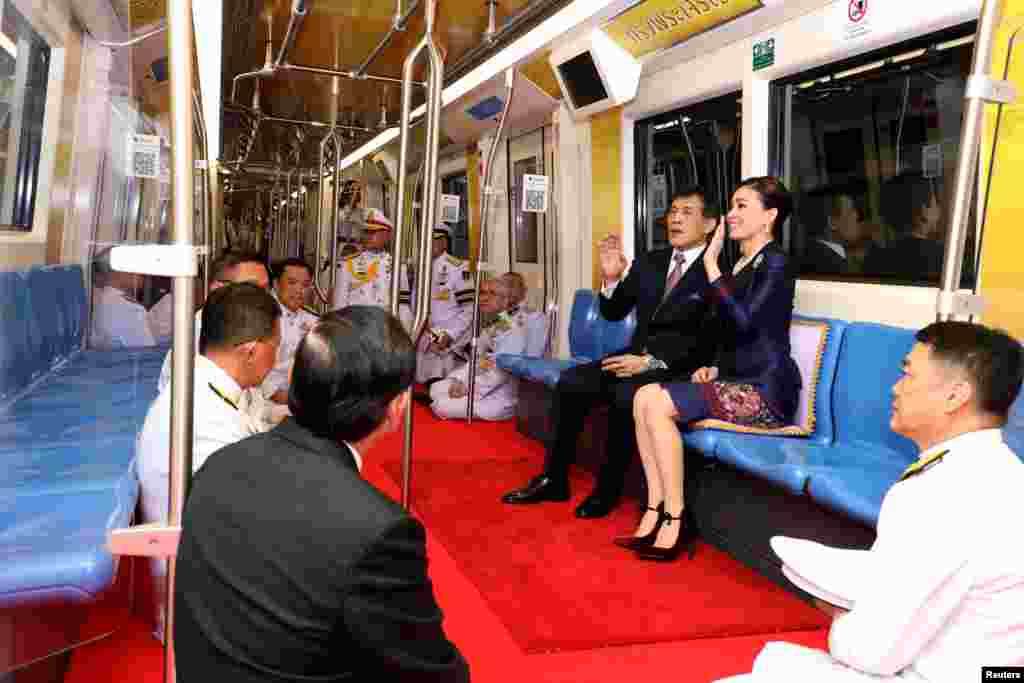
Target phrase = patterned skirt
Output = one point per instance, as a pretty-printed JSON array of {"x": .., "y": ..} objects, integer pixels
[{"x": 740, "y": 404}]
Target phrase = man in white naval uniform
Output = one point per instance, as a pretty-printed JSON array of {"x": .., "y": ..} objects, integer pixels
[
  {"x": 234, "y": 267},
  {"x": 941, "y": 592},
  {"x": 241, "y": 332},
  {"x": 495, "y": 390},
  {"x": 451, "y": 310},
  {"x": 119, "y": 321},
  {"x": 293, "y": 283},
  {"x": 365, "y": 278}
]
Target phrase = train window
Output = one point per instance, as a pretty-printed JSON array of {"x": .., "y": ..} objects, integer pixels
[
  {"x": 869, "y": 150},
  {"x": 458, "y": 184},
  {"x": 24, "y": 72},
  {"x": 699, "y": 144}
]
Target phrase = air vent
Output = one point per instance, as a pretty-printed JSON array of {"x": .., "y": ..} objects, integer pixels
[{"x": 487, "y": 109}]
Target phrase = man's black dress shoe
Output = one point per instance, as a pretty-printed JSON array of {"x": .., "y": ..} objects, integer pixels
[
  {"x": 422, "y": 397},
  {"x": 539, "y": 490},
  {"x": 596, "y": 505}
]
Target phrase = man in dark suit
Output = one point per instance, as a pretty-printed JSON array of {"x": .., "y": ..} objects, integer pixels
[
  {"x": 292, "y": 567},
  {"x": 672, "y": 339}
]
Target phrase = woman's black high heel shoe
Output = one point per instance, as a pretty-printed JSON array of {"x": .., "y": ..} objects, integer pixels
[
  {"x": 647, "y": 540},
  {"x": 686, "y": 540}
]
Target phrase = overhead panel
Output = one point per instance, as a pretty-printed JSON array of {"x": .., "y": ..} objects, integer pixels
[{"x": 659, "y": 24}]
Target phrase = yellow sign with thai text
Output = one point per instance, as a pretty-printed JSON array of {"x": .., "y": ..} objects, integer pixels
[{"x": 658, "y": 24}]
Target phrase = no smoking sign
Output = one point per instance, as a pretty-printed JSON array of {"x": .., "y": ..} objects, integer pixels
[{"x": 857, "y": 10}]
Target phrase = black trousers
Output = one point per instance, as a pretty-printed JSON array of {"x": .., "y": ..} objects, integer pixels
[{"x": 578, "y": 390}]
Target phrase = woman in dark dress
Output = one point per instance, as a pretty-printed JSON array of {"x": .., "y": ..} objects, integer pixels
[{"x": 755, "y": 382}]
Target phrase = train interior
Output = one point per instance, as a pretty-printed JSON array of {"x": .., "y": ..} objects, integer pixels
[{"x": 560, "y": 122}]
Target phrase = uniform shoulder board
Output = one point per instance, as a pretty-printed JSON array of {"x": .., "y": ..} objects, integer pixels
[{"x": 454, "y": 260}]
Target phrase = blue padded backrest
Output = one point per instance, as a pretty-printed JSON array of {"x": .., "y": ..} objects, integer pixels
[
  {"x": 20, "y": 359},
  {"x": 1013, "y": 432},
  {"x": 58, "y": 300},
  {"x": 870, "y": 363},
  {"x": 591, "y": 336}
]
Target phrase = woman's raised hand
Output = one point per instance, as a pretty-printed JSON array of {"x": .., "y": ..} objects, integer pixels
[
  {"x": 613, "y": 261},
  {"x": 704, "y": 375},
  {"x": 713, "y": 251}
]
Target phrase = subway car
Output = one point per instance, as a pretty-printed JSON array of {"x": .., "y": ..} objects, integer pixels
[{"x": 144, "y": 140}]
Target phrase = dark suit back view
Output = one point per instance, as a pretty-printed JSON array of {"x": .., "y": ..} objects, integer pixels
[
  {"x": 672, "y": 329},
  {"x": 291, "y": 567}
]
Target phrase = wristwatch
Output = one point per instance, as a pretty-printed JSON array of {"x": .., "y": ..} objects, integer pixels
[{"x": 655, "y": 364}]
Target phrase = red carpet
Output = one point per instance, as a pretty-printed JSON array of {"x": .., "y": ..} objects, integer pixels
[{"x": 516, "y": 587}]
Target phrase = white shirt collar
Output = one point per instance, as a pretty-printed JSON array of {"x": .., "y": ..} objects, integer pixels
[
  {"x": 968, "y": 441},
  {"x": 355, "y": 454},
  {"x": 689, "y": 254},
  {"x": 209, "y": 372}
]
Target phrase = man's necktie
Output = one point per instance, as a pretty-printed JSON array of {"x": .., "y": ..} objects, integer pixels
[{"x": 676, "y": 274}]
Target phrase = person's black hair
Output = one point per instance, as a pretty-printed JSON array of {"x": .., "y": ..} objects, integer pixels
[
  {"x": 281, "y": 265},
  {"x": 236, "y": 314},
  {"x": 903, "y": 198},
  {"x": 710, "y": 210},
  {"x": 220, "y": 270},
  {"x": 347, "y": 370},
  {"x": 992, "y": 360},
  {"x": 774, "y": 195}
]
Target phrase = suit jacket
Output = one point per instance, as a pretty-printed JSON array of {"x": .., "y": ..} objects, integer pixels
[
  {"x": 754, "y": 312},
  {"x": 292, "y": 568},
  {"x": 674, "y": 331}
]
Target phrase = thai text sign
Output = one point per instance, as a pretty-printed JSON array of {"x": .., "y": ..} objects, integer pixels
[{"x": 658, "y": 24}]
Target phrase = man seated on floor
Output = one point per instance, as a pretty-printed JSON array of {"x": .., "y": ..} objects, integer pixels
[
  {"x": 293, "y": 284},
  {"x": 942, "y": 588},
  {"x": 234, "y": 267},
  {"x": 291, "y": 566},
  {"x": 241, "y": 331},
  {"x": 494, "y": 390},
  {"x": 119, "y": 320}
]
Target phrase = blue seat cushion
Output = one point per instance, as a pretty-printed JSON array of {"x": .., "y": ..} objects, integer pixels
[
  {"x": 855, "y": 492},
  {"x": 543, "y": 370},
  {"x": 20, "y": 363},
  {"x": 590, "y": 335}
]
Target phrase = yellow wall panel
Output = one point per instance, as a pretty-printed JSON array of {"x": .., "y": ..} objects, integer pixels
[
  {"x": 1002, "y": 267},
  {"x": 473, "y": 178},
  {"x": 606, "y": 171}
]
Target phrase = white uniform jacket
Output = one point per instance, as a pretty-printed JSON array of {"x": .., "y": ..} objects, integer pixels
[
  {"x": 260, "y": 414},
  {"x": 495, "y": 390},
  {"x": 365, "y": 279},
  {"x": 451, "y": 311},
  {"x": 294, "y": 326},
  {"x": 118, "y": 322},
  {"x": 945, "y": 591}
]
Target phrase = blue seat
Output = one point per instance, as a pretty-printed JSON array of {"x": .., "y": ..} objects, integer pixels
[
  {"x": 68, "y": 423},
  {"x": 591, "y": 338}
]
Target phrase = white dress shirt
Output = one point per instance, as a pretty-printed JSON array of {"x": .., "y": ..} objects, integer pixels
[
  {"x": 294, "y": 325},
  {"x": 218, "y": 422},
  {"x": 945, "y": 590},
  {"x": 118, "y": 322}
]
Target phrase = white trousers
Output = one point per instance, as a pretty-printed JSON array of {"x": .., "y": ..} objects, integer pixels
[
  {"x": 789, "y": 663},
  {"x": 494, "y": 407}
]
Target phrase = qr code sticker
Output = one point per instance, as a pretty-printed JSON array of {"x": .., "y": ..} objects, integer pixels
[
  {"x": 145, "y": 164},
  {"x": 534, "y": 200}
]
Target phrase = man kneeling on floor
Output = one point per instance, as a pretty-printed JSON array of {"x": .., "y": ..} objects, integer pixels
[
  {"x": 291, "y": 566},
  {"x": 494, "y": 390},
  {"x": 941, "y": 592}
]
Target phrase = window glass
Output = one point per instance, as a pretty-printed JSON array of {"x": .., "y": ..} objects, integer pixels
[
  {"x": 24, "y": 72},
  {"x": 458, "y": 185},
  {"x": 870, "y": 154},
  {"x": 696, "y": 145}
]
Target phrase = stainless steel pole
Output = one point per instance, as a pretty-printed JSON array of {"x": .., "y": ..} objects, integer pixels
[
  {"x": 180, "y": 50},
  {"x": 967, "y": 160},
  {"x": 510, "y": 85},
  {"x": 435, "y": 82}
]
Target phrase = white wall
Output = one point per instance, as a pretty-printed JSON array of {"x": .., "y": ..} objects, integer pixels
[{"x": 806, "y": 37}]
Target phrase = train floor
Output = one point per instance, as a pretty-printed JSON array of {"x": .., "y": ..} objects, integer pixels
[{"x": 532, "y": 593}]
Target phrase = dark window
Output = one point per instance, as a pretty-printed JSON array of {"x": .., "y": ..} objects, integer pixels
[
  {"x": 870, "y": 150},
  {"x": 582, "y": 80},
  {"x": 458, "y": 184},
  {"x": 700, "y": 145},
  {"x": 24, "y": 72}
]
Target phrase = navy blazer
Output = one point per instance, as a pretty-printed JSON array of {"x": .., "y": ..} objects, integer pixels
[
  {"x": 754, "y": 310},
  {"x": 292, "y": 567},
  {"x": 674, "y": 331}
]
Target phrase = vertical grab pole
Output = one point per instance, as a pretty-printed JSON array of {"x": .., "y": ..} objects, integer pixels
[
  {"x": 207, "y": 191},
  {"x": 435, "y": 82},
  {"x": 510, "y": 85},
  {"x": 967, "y": 160},
  {"x": 320, "y": 291},
  {"x": 179, "y": 38}
]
